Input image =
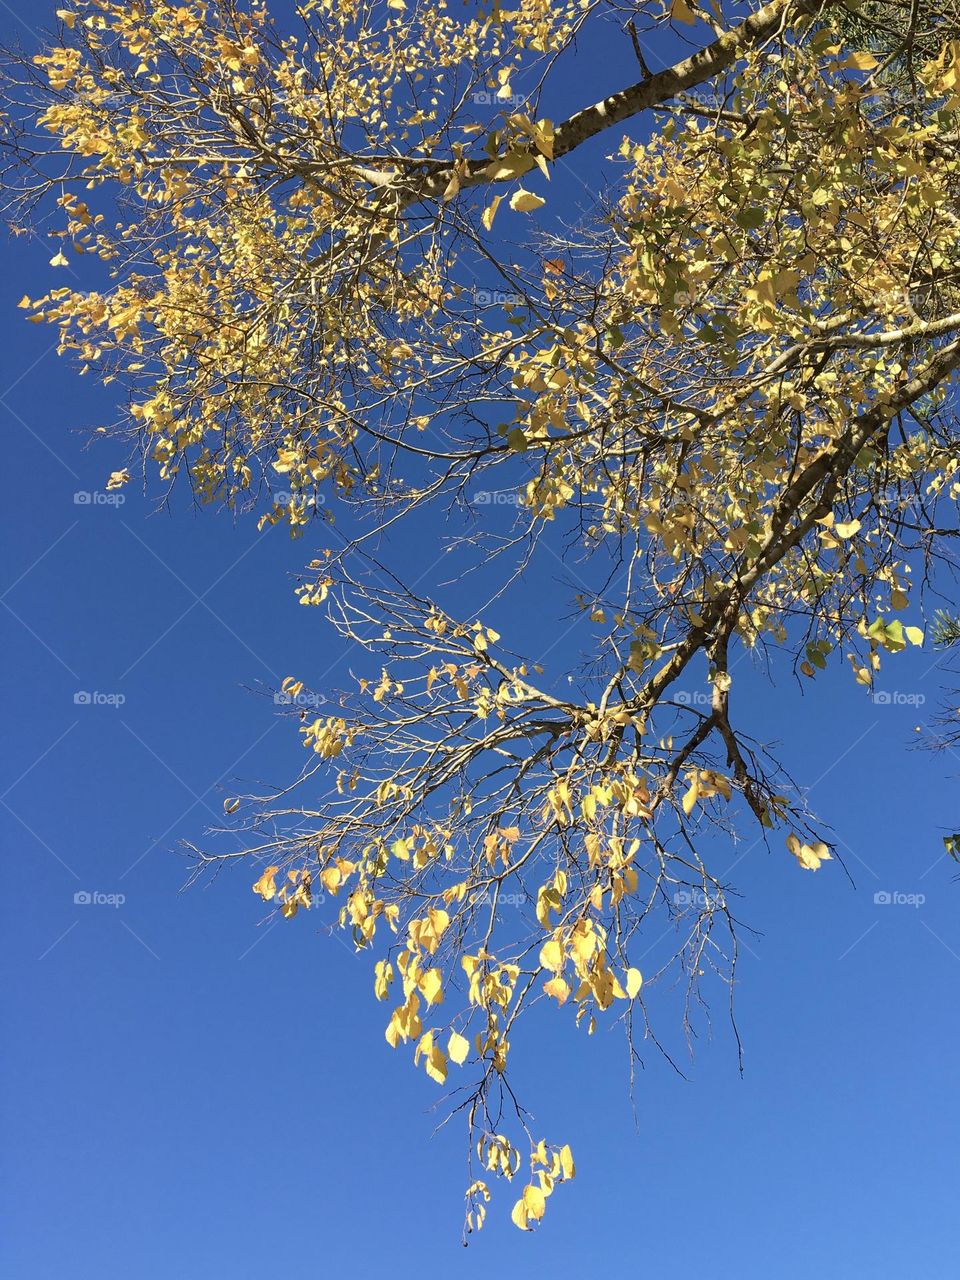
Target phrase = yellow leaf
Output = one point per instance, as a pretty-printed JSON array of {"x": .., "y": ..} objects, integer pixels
[
  {"x": 431, "y": 984},
  {"x": 265, "y": 885},
  {"x": 436, "y": 1065},
  {"x": 457, "y": 1048},
  {"x": 551, "y": 955},
  {"x": 534, "y": 1202},
  {"x": 512, "y": 165},
  {"x": 860, "y": 61},
  {"x": 634, "y": 981},
  {"x": 519, "y": 1216},
  {"x": 525, "y": 201},
  {"x": 490, "y": 212},
  {"x": 435, "y": 1061},
  {"x": 383, "y": 976},
  {"x": 566, "y": 1162},
  {"x": 67, "y": 17},
  {"x": 557, "y": 988},
  {"x": 690, "y": 798},
  {"x": 847, "y": 530},
  {"x": 584, "y": 942},
  {"x": 59, "y": 260},
  {"x": 680, "y": 11},
  {"x": 543, "y": 136}
]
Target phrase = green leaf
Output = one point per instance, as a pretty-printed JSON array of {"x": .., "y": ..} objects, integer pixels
[
  {"x": 894, "y": 638},
  {"x": 750, "y": 219}
]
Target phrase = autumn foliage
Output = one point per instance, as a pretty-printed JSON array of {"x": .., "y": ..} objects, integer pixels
[{"x": 732, "y": 379}]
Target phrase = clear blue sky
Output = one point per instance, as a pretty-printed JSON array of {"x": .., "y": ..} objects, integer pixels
[{"x": 188, "y": 1093}]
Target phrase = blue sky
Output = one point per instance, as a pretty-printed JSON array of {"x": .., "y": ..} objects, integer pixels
[{"x": 192, "y": 1092}]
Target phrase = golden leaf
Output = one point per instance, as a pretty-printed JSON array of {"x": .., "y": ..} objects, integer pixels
[
  {"x": 525, "y": 201},
  {"x": 265, "y": 886},
  {"x": 457, "y": 1048},
  {"x": 551, "y": 955},
  {"x": 490, "y": 212}
]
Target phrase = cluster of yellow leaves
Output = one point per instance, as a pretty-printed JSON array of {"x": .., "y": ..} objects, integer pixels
[
  {"x": 422, "y": 846},
  {"x": 292, "y": 895},
  {"x": 583, "y": 946},
  {"x": 808, "y": 855},
  {"x": 704, "y": 783},
  {"x": 329, "y": 736},
  {"x": 549, "y": 1168}
]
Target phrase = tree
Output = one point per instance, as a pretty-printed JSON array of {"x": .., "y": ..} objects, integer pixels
[{"x": 727, "y": 387}]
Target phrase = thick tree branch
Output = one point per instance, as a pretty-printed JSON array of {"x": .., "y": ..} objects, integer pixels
[{"x": 653, "y": 90}]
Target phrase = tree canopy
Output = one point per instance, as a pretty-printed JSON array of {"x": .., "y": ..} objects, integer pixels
[{"x": 725, "y": 387}]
